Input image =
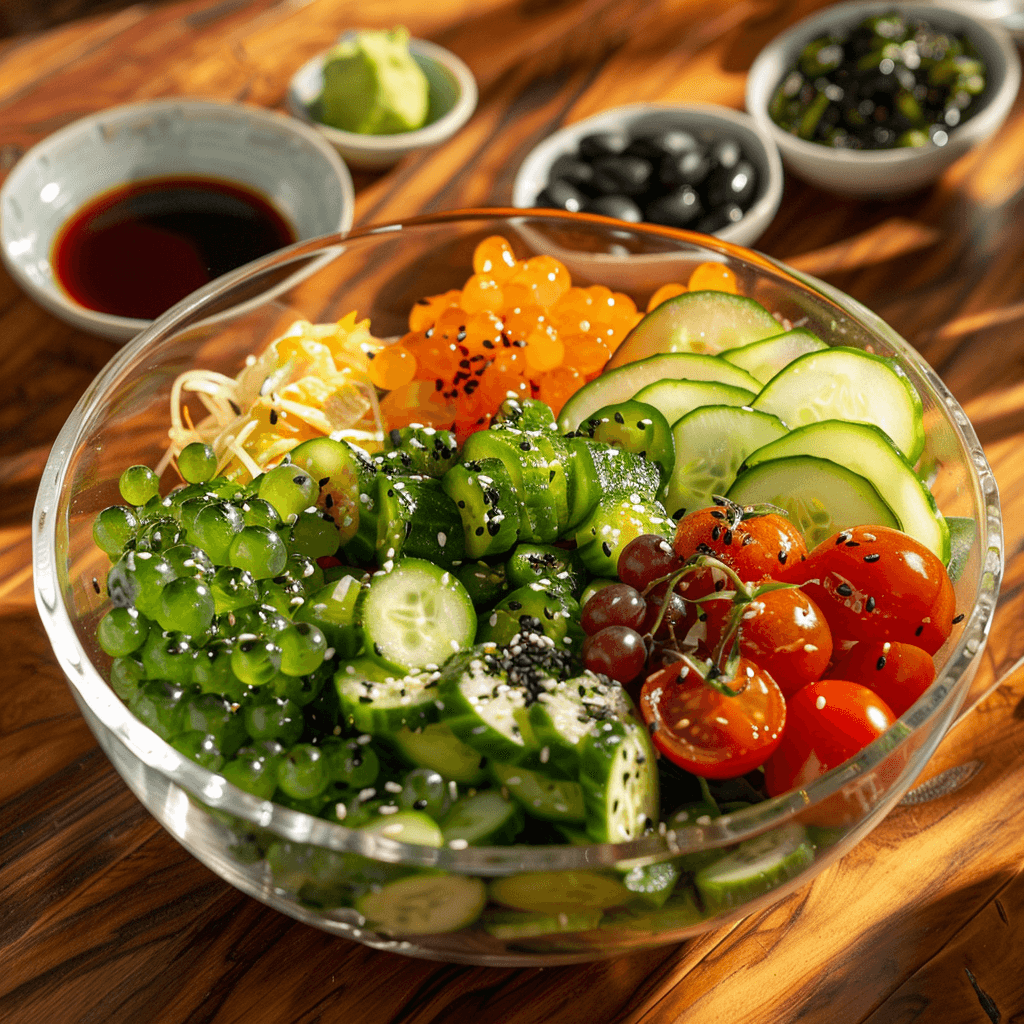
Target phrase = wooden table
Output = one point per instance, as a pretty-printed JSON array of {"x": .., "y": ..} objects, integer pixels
[{"x": 104, "y": 918}]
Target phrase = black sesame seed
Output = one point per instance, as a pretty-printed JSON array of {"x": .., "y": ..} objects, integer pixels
[
  {"x": 870, "y": 604},
  {"x": 919, "y": 630},
  {"x": 273, "y": 416},
  {"x": 880, "y": 664},
  {"x": 874, "y": 557},
  {"x": 958, "y": 618},
  {"x": 783, "y": 555},
  {"x": 607, "y": 549},
  {"x": 844, "y": 589},
  {"x": 514, "y": 606}
]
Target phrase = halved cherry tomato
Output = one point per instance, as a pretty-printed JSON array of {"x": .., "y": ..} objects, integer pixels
[
  {"x": 783, "y": 631},
  {"x": 756, "y": 545},
  {"x": 709, "y": 732},
  {"x": 827, "y": 722},
  {"x": 898, "y": 673},
  {"x": 876, "y": 583}
]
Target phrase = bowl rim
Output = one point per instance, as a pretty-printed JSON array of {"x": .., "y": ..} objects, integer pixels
[
  {"x": 92, "y": 690},
  {"x": 762, "y": 79},
  {"x": 759, "y": 214},
  {"x": 383, "y": 145},
  {"x": 55, "y": 299}
]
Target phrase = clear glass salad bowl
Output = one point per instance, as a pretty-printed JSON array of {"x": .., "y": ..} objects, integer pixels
[{"x": 381, "y": 271}]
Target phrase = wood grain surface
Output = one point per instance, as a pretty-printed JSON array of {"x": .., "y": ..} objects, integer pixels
[{"x": 104, "y": 918}]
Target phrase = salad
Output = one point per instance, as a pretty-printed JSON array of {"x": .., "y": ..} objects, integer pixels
[{"x": 563, "y": 614}]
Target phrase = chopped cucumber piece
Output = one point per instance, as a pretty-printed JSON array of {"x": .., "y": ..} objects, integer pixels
[
  {"x": 559, "y": 892},
  {"x": 519, "y": 924},
  {"x": 764, "y": 359},
  {"x": 678, "y": 911},
  {"x": 436, "y": 746},
  {"x": 407, "y": 827},
  {"x": 541, "y": 797},
  {"x": 482, "y": 819},
  {"x": 378, "y": 701},
  {"x": 711, "y": 443},
  {"x": 867, "y": 450},
  {"x": 848, "y": 384},
  {"x": 486, "y": 500},
  {"x": 651, "y": 884},
  {"x": 424, "y": 904},
  {"x": 620, "y": 781},
  {"x": 755, "y": 867},
  {"x": 616, "y": 520},
  {"x": 417, "y": 615},
  {"x": 635, "y": 426},
  {"x": 702, "y": 321},
  {"x": 821, "y": 497},
  {"x": 623, "y": 383},
  {"x": 675, "y": 398}
]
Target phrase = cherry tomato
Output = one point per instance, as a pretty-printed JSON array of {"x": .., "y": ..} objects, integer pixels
[
  {"x": 708, "y": 732},
  {"x": 827, "y": 723},
  {"x": 755, "y": 545},
  {"x": 898, "y": 673},
  {"x": 876, "y": 583},
  {"x": 783, "y": 631}
]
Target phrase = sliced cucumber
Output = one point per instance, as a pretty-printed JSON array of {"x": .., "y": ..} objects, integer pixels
[
  {"x": 764, "y": 359},
  {"x": 417, "y": 615},
  {"x": 416, "y": 518},
  {"x": 541, "y": 797},
  {"x": 426, "y": 904},
  {"x": 375, "y": 700},
  {"x": 635, "y": 426},
  {"x": 651, "y": 884},
  {"x": 675, "y": 398},
  {"x": 678, "y": 911},
  {"x": 407, "y": 827},
  {"x": 711, "y": 442},
  {"x": 623, "y": 383},
  {"x": 867, "y": 450},
  {"x": 520, "y": 924},
  {"x": 620, "y": 781},
  {"x": 483, "y": 709},
  {"x": 703, "y": 322},
  {"x": 436, "y": 746},
  {"x": 487, "y": 504},
  {"x": 821, "y": 497},
  {"x": 559, "y": 892},
  {"x": 482, "y": 819},
  {"x": 848, "y": 384},
  {"x": 755, "y": 867},
  {"x": 617, "y": 519}
]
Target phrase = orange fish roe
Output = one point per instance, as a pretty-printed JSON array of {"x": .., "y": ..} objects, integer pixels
[
  {"x": 714, "y": 277},
  {"x": 664, "y": 293},
  {"x": 516, "y": 326}
]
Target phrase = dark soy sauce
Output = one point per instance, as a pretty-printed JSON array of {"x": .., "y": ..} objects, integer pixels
[{"x": 140, "y": 248}]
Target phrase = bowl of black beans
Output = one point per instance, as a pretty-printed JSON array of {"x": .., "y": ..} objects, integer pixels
[
  {"x": 704, "y": 168},
  {"x": 876, "y": 100}
]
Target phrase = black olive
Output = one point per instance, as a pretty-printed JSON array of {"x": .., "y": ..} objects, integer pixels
[
  {"x": 689, "y": 168},
  {"x": 657, "y": 145},
  {"x": 573, "y": 170},
  {"x": 602, "y": 144},
  {"x": 735, "y": 185},
  {"x": 621, "y": 207},
  {"x": 621, "y": 175},
  {"x": 719, "y": 218},
  {"x": 678, "y": 209},
  {"x": 725, "y": 153},
  {"x": 562, "y": 196}
]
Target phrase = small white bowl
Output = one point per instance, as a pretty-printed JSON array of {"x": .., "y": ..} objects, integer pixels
[
  {"x": 453, "y": 96},
  {"x": 284, "y": 161},
  {"x": 642, "y": 118},
  {"x": 883, "y": 173}
]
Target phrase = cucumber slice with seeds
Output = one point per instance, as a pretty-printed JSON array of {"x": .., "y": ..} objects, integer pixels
[
  {"x": 675, "y": 398},
  {"x": 417, "y": 615},
  {"x": 764, "y": 359},
  {"x": 378, "y": 701},
  {"x": 755, "y": 867},
  {"x": 556, "y": 892},
  {"x": 511, "y": 925},
  {"x": 482, "y": 819},
  {"x": 701, "y": 321},
  {"x": 868, "y": 451},
  {"x": 624, "y": 382},
  {"x": 436, "y": 746},
  {"x": 821, "y": 497},
  {"x": 848, "y": 384},
  {"x": 711, "y": 442},
  {"x": 539, "y": 796},
  {"x": 424, "y": 904}
]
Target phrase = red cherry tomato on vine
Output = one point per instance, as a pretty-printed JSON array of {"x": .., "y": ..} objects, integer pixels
[
  {"x": 898, "y": 673},
  {"x": 876, "y": 583},
  {"x": 827, "y": 723},
  {"x": 709, "y": 732},
  {"x": 756, "y": 546},
  {"x": 783, "y": 631}
]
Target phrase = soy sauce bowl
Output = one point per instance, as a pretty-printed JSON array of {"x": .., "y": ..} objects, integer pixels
[
  {"x": 707, "y": 123},
  {"x": 883, "y": 173},
  {"x": 284, "y": 162}
]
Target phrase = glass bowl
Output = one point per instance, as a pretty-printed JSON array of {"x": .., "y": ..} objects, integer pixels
[{"x": 381, "y": 271}]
